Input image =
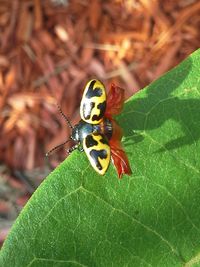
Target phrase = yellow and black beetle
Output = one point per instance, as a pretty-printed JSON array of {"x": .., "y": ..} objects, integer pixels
[{"x": 97, "y": 133}]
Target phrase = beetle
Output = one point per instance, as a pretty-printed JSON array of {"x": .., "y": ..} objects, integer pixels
[{"x": 97, "y": 133}]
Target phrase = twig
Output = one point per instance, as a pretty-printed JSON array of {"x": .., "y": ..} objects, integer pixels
[{"x": 43, "y": 79}]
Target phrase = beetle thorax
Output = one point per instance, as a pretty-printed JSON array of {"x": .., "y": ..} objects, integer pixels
[{"x": 83, "y": 129}]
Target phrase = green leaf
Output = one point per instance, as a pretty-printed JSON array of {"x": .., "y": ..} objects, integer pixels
[{"x": 152, "y": 218}]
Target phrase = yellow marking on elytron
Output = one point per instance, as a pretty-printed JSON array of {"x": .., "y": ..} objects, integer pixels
[
  {"x": 103, "y": 162},
  {"x": 95, "y": 99}
]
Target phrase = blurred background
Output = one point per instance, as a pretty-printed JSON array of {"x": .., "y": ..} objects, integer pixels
[{"x": 49, "y": 49}]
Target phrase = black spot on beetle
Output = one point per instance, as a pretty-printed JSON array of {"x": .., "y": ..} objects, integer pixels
[
  {"x": 87, "y": 109},
  {"x": 96, "y": 154},
  {"x": 91, "y": 92},
  {"x": 103, "y": 140},
  {"x": 90, "y": 142},
  {"x": 102, "y": 108}
]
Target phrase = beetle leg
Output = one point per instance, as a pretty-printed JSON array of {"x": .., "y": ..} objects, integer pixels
[
  {"x": 80, "y": 148},
  {"x": 71, "y": 149}
]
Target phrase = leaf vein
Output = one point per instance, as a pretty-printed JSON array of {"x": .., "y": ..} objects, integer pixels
[{"x": 174, "y": 251}]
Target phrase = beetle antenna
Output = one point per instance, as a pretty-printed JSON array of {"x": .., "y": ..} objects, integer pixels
[
  {"x": 65, "y": 117},
  {"x": 56, "y": 147}
]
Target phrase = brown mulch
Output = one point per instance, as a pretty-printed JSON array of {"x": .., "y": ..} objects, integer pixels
[{"x": 50, "y": 49}]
